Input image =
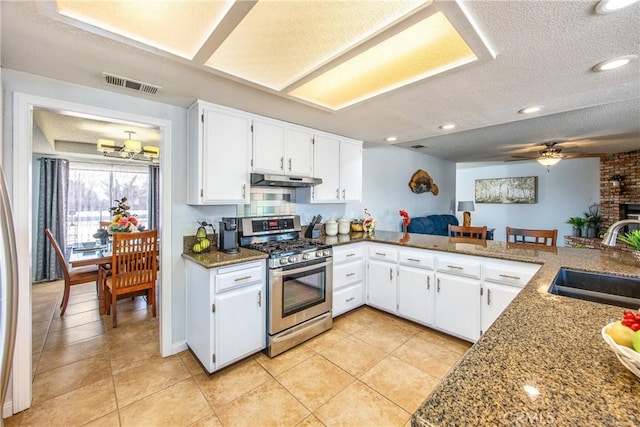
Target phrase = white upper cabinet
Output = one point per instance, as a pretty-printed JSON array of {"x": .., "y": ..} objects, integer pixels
[
  {"x": 218, "y": 155},
  {"x": 338, "y": 162},
  {"x": 281, "y": 148}
]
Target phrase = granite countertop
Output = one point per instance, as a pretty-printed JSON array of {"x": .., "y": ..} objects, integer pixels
[
  {"x": 216, "y": 258},
  {"x": 543, "y": 362}
]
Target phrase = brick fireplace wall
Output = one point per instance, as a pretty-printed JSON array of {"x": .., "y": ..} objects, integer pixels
[{"x": 613, "y": 199}]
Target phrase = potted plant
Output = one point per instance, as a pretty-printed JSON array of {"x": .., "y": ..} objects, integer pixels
[
  {"x": 632, "y": 238},
  {"x": 578, "y": 223},
  {"x": 593, "y": 220}
]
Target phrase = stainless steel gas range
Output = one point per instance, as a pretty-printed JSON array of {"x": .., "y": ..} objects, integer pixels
[{"x": 300, "y": 279}]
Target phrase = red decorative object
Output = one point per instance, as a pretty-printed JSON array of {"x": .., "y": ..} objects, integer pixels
[{"x": 405, "y": 217}]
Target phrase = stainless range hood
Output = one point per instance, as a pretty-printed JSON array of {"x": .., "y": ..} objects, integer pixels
[{"x": 271, "y": 180}]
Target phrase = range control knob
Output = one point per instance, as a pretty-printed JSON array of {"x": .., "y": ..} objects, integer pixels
[
  {"x": 283, "y": 261},
  {"x": 306, "y": 256},
  {"x": 326, "y": 252},
  {"x": 319, "y": 253},
  {"x": 292, "y": 259}
]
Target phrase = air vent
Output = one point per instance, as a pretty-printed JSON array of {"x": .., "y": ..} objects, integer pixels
[
  {"x": 113, "y": 80},
  {"x": 417, "y": 146}
]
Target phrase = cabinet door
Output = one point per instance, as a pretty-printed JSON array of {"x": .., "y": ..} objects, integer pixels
[
  {"x": 326, "y": 165},
  {"x": 298, "y": 152},
  {"x": 381, "y": 282},
  {"x": 350, "y": 171},
  {"x": 268, "y": 147},
  {"x": 240, "y": 323},
  {"x": 495, "y": 299},
  {"x": 416, "y": 294},
  {"x": 226, "y": 157},
  {"x": 199, "y": 322},
  {"x": 457, "y": 306}
]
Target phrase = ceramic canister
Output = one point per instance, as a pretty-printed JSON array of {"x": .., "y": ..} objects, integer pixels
[
  {"x": 331, "y": 228},
  {"x": 344, "y": 225}
]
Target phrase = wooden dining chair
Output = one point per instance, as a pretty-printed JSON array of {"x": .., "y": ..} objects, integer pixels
[
  {"x": 468, "y": 233},
  {"x": 73, "y": 276},
  {"x": 134, "y": 268},
  {"x": 105, "y": 224},
  {"x": 532, "y": 237}
]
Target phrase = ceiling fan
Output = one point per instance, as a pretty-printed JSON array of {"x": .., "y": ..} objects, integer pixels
[{"x": 551, "y": 155}]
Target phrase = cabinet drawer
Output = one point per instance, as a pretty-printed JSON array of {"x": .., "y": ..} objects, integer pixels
[
  {"x": 347, "y": 273},
  {"x": 237, "y": 278},
  {"x": 348, "y": 253},
  {"x": 385, "y": 253},
  {"x": 517, "y": 274},
  {"x": 347, "y": 299},
  {"x": 418, "y": 259},
  {"x": 467, "y": 267}
]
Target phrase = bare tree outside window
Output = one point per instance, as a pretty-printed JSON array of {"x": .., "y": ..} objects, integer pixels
[{"x": 93, "y": 189}]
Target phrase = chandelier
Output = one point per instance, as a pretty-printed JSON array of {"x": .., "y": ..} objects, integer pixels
[
  {"x": 549, "y": 156},
  {"x": 131, "y": 149}
]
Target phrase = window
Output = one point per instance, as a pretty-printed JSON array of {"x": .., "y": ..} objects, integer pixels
[{"x": 93, "y": 189}]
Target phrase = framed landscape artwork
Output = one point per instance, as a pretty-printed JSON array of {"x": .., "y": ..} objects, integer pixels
[{"x": 521, "y": 190}]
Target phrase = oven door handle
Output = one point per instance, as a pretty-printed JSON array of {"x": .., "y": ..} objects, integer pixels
[{"x": 278, "y": 272}]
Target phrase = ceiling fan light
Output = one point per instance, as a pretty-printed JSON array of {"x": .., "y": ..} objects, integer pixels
[
  {"x": 548, "y": 161},
  {"x": 106, "y": 145}
]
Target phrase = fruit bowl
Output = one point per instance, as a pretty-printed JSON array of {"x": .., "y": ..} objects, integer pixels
[{"x": 627, "y": 356}]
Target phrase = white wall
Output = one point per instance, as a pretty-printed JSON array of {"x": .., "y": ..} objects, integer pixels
[
  {"x": 565, "y": 191},
  {"x": 387, "y": 171}
]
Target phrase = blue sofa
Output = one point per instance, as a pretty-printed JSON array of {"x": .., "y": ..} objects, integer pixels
[{"x": 432, "y": 224}]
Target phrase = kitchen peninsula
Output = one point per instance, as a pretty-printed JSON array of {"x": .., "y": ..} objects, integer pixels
[{"x": 543, "y": 362}]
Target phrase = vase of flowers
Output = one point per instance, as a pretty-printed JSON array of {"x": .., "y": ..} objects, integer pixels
[
  {"x": 369, "y": 223},
  {"x": 123, "y": 221},
  {"x": 405, "y": 220}
]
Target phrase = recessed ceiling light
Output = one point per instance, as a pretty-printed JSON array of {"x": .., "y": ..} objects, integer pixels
[
  {"x": 530, "y": 110},
  {"x": 614, "y": 63},
  {"x": 391, "y": 139},
  {"x": 447, "y": 126},
  {"x": 609, "y": 6}
]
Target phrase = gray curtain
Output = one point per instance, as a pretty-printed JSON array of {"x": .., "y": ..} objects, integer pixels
[
  {"x": 52, "y": 214},
  {"x": 154, "y": 197}
]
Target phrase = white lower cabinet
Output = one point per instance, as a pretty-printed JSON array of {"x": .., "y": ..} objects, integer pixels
[
  {"x": 381, "y": 277},
  {"x": 495, "y": 298},
  {"x": 457, "y": 306},
  {"x": 348, "y": 278},
  {"x": 226, "y": 312},
  {"x": 416, "y": 294}
]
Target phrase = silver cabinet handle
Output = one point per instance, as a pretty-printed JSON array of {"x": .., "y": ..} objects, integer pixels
[
  {"x": 455, "y": 267},
  {"x": 413, "y": 260},
  {"x": 350, "y": 255},
  {"x": 438, "y": 288},
  {"x": 289, "y": 164},
  {"x": 244, "y": 190},
  {"x": 349, "y": 299},
  {"x": 259, "y": 298},
  {"x": 281, "y": 163},
  {"x": 381, "y": 254},
  {"x": 428, "y": 282},
  {"x": 344, "y": 194},
  {"x": 351, "y": 274},
  {"x": 506, "y": 276},
  {"x": 338, "y": 193},
  {"x": 240, "y": 279},
  {"x": 488, "y": 296},
  {"x": 390, "y": 273}
]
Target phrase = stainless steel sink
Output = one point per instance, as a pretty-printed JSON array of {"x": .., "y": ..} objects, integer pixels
[{"x": 622, "y": 291}]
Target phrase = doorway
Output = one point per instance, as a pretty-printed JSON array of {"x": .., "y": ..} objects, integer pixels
[{"x": 22, "y": 179}]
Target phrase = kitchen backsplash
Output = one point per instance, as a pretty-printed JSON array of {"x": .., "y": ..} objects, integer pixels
[{"x": 269, "y": 201}]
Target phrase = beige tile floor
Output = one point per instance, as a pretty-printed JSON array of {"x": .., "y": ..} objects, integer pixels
[{"x": 371, "y": 369}]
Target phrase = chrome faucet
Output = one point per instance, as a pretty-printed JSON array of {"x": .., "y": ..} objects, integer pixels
[{"x": 611, "y": 235}]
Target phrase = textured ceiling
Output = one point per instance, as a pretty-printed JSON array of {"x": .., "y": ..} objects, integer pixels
[{"x": 544, "y": 54}]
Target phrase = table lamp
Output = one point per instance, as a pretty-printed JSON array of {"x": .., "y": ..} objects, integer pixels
[{"x": 466, "y": 207}]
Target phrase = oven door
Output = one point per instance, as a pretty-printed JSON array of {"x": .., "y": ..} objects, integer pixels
[{"x": 298, "y": 293}]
